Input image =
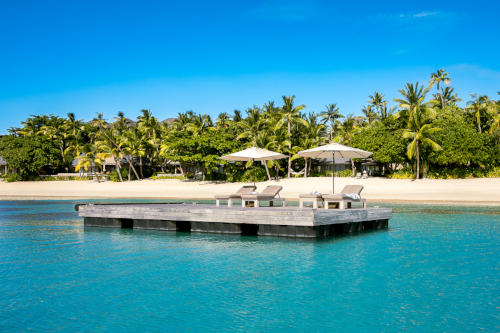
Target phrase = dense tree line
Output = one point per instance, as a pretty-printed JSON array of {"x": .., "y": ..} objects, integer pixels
[{"x": 425, "y": 131}]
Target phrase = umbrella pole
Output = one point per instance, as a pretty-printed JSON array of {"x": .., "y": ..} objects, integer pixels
[
  {"x": 253, "y": 166},
  {"x": 333, "y": 172}
]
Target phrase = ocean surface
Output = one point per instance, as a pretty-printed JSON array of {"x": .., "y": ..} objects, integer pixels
[{"x": 436, "y": 269}]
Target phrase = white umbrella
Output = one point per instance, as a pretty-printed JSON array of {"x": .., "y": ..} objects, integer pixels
[
  {"x": 334, "y": 150},
  {"x": 254, "y": 154}
]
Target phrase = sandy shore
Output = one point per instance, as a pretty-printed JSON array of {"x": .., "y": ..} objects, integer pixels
[{"x": 473, "y": 191}]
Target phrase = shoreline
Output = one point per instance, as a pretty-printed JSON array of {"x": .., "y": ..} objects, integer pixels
[
  {"x": 374, "y": 201},
  {"x": 478, "y": 191}
]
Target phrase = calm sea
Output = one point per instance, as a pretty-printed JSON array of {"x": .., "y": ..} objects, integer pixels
[{"x": 437, "y": 269}]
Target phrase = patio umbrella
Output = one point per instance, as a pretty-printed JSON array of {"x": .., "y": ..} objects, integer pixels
[
  {"x": 334, "y": 150},
  {"x": 253, "y": 154}
]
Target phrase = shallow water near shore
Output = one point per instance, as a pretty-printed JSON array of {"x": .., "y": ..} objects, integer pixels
[{"x": 437, "y": 268}]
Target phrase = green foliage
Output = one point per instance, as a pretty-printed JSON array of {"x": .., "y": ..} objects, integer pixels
[
  {"x": 461, "y": 143},
  {"x": 13, "y": 177},
  {"x": 254, "y": 174},
  {"x": 433, "y": 131},
  {"x": 386, "y": 144},
  {"x": 30, "y": 155},
  {"x": 113, "y": 176},
  {"x": 405, "y": 173}
]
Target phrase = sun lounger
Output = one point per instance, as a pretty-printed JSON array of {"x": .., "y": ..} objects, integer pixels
[
  {"x": 314, "y": 197},
  {"x": 235, "y": 196},
  {"x": 344, "y": 199},
  {"x": 270, "y": 193}
]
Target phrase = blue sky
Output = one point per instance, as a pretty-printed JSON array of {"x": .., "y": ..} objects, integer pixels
[{"x": 217, "y": 56}]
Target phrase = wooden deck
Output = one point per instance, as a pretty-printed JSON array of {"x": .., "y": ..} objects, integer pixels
[{"x": 273, "y": 221}]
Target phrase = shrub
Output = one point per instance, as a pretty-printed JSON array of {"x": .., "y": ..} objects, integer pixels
[
  {"x": 405, "y": 173},
  {"x": 12, "y": 177},
  {"x": 257, "y": 174}
]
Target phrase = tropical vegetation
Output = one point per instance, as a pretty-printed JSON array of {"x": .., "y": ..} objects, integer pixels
[{"x": 425, "y": 133}]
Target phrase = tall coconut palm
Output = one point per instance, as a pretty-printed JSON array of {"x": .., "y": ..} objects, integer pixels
[
  {"x": 377, "y": 101},
  {"x": 419, "y": 137},
  {"x": 90, "y": 157},
  {"x": 370, "y": 115},
  {"x": 252, "y": 125},
  {"x": 436, "y": 78},
  {"x": 133, "y": 146},
  {"x": 331, "y": 115},
  {"x": 348, "y": 128},
  {"x": 106, "y": 133},
  {"x": 446, "y": 97},
  {"x": 223, "y": 120},
  {"x": 418, "y": 115},
  {"x": 478, "y": 106},
  {"x": 312, "y": 136},
  {"x": 290, "y": 115},
  {"x": 414, "y": 110}
]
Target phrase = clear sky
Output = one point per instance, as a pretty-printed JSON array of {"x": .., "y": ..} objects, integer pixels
[{"x": 216, "y": 56}]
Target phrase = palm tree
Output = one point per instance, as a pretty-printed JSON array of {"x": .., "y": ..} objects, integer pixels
[
  {"x": 420, "y": 137},
  {"x": 386, "y": 112},
  {"x": 133, "y": 145},
  {"x": 331, "y": 115},
  {"x": 413, "y": 109},
  {"x": 418, "y": 115},
  {"x": 312, "y": 136},
  {"x": 106, "y": 133},
  {"x": 370, "y": 115},
  {"x": 347, "y": 130},
  {"x": 377, "y": 101},
  {"x": 223, "y": 120},
  {"x": 436, "y": 78},
  {"x": 290, "y": 115},
  {"x": 446, "y": 97},
  {"x": 90, "y": 157},
  {"x": 251, "y": 126},
  {"x": 478, "y": 106}
]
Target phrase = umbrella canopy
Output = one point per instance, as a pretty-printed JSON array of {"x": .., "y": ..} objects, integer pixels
[
  {"x": 334, "y": 150},
  {"x": 253, "y": 154}
]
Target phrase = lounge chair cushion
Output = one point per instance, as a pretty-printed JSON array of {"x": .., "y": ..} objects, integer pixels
[
  {"x": 310, "y": 196},
  {"x": 338, "y": 196}
]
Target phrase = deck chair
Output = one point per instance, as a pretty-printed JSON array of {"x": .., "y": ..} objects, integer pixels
[
  {"x": 235, "y": 196},
  {"x": 270, "y": 193},
  {"x": 314, "y": 197},
  {"x": 345, "y": 198}
]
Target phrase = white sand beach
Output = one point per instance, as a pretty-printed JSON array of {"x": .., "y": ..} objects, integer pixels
[{"x": 484, "y": 191}]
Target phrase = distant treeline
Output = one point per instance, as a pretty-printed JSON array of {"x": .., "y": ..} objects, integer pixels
[{"x": 426, "y": 132}]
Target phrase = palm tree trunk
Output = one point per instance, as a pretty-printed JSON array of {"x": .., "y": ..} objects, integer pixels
[
  {"x": 140, "y": 167},
  {"x": 418, "y": 161},
  {"x": 182, "y": 170},
  {"x": 353, "y": 167},
  {"x": 118, "y": 170},
  {"x": 277, "y": 168},
  {"x": 305, "y": 167},
  {"x": 289, "y": 149},
  {"x": 131, "y": 165},
  {"x": 128, "y": 172},
  {"x": 267, "y": 170},
  {"x": 478, "y": 118}
]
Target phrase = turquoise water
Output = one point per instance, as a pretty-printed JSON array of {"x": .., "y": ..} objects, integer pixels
[{"x": 437, "y": 269}]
